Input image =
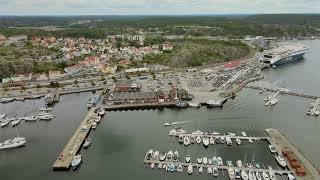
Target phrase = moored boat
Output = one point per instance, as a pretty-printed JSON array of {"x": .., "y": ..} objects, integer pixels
[
  {"x": 87, "y": 143},
  {"x": 244, "y": 175},
  {"x": 272, "y": 149},
  {"x": 30, "y": 118},
  {"x": 13, "y": 143},
  {"x": 188, "y": 158},
  {"x": 190, "y": 169},
  {"x": 281, "y": 161},
  {"x": 76, "y": 161},
  {"x": 162, "y": 156}
]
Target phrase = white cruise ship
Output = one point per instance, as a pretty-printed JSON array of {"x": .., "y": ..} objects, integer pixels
[{"x": 284, "y": 54}]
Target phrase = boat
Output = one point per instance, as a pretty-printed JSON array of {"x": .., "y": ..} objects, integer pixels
[
  {"x": 97, "y": 119},
  {"x": 239, "y": 163},
  {"x": 45, "y": 116},
  {"x": 152, "y": 165},
  {"x": 171, "y": 167},
  {"x": 205, "y": 160},
  {"x": 20, "y": 98},
  {"x": 167, "y": 124},
  {"x": 200, "y": 170},
  {"x": 96, "y": 100},
  {"x": 181, "y": 104},
  {"x": 272, "y": 175},
  {"x": 215, "y": 172},
  {"x": 251, "y": 176},
  {"x": 199, "y": 160},
  {"x": 180, "y": 168},
  {"x": 5, "y": 122},
  {"x": 198, "y": 139},
  {"x": 7, "y": 100},
  {"x": 258, "y": 176},
  {"x": 238, "y": 141},
  {"x": 213, "y": 103},
  {"x": 209, "y": 161},
  {"x": 176, "y": 131},
  {"x": 244, "y": 175},
  {"x": 308, "y": 112},
  {"x": 48, "y": 99},
  {"x": 175, "y": 156},
  {"x": 229, "y": 141},
  {"x": 192, "y": 139},
  {"x": 188, "y": 158},
  {"x": 244, "y": 134},
  {"x": 45, "y": 109},
  {"x": 215, "y": 161},
  {"x": 291, "y": 177},
  {"x": 205, "y": 141},
  {"x": 101, "y": 112},
  {"x": 265, "y": 176},
  {"x": 190, "y": 169},
  {"x": 220, "y": 162},
  {"x": 274, "y": 101},
  {"x": 186, "y": 140},
  {"x": 222, "y": 140},
  {"x": 209, "y": 170},
  {"x": 90, "y": 102},
  {"x": 316, "y": 112},
  {"x": 197, "y": 105},
  {"x": 3, "y": 115},
  {"x": 87, "y": 143},
  {"x": 162, "y": 156},
  {"x": 257, "y": 165},
  {"x": 16, "y": 122},
  {"x": 159, "y": 165},
  {"x": 237, "y": 173},
  {"x": 94, "y": 125},
  {"x": 272, "y": 149},
  {"x": 156, "y": 155},
  {"x": 169, "y": 155},
  {"x": 284, "y": 54},
  {"x": 149, "y": 154},
  {"x": 218, "y": 140},
  {"x": 76, "y": 161},
  {"x": 267, "y": 103},
  {"x": 267, "y": 98},
  {"x": 211, "y": 140},
  {"x": 231, "y": 134},
  {"x": 13, "y": 143},
  {"x": 180, "y": 139},
  {"x": 281, "y": 161},
  {"x": 214, "y": 133},
  {"x": 229, "y": 163},
  {"x": 231, "y": 174},
  {"x": 30, "y": 118},
  {"x": 250, "y": 140}
]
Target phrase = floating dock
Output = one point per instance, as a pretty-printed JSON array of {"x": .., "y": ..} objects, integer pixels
[
  {"x": 280, "y": 142},
  {"x": 74, "y": 144}
]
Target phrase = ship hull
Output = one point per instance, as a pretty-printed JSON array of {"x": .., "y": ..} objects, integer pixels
[{"x": 286, "y": 60}]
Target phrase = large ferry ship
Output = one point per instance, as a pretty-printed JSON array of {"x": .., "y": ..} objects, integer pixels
[{"x": 284, "y": 54}]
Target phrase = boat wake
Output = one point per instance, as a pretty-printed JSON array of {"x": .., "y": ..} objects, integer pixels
[{"x": 175, "y": 123}]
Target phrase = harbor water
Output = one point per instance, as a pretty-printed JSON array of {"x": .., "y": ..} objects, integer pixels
[{"x": 122, "y": 138}]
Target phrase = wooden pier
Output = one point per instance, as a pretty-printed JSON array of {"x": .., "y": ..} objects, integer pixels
[
  {"x": 132, "y": 106},
  {"x": 196, "y": 165},
  {"x": 74, "y": 144},
  {"x": 286, "y": 93}
]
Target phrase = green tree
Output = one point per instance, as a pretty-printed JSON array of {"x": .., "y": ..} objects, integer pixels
[
  {"x": 75, "y": 82},
  {"x": 93, "y": 83}
]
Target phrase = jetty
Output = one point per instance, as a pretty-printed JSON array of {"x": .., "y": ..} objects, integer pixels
[
  {"x": 133, "y": 106},
  {"x": 280, "y": 142},
  {"x": 220, "y": 136},
  {"x": 74, "y": 144},
  {"x": 290, "y": 93}
]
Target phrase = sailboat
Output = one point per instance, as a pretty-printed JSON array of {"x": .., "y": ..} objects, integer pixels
[{"x": 14, "y": 142}]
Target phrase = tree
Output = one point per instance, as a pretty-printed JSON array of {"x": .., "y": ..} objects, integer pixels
[
  {"x": 75, "y": 82},
  {"x": 54, "y": 84},
  {"x": 102, "y": 79},
  {"x": 93, "y": 83},
  {"x": 128, "y": 77},
  {"x": 38, "y": 86}
]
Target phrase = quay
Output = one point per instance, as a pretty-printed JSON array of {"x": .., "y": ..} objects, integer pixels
[
  {"x": 184, "y": 164},
  {"x": 74, "y": 144},
  {"x": 132, "y": 106},
  {"x": 219, "y": 136},
  {"x": 286, "y": 93},
  {"x": 280, "y": 142}
]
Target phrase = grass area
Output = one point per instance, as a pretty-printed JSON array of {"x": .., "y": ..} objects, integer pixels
[{"x": 198, "y": 52}]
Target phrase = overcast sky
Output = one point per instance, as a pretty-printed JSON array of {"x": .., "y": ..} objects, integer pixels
[{"x": 119, "y": 7}]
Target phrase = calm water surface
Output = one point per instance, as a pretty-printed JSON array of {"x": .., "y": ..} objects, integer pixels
[{"x": 122, "y": 138}]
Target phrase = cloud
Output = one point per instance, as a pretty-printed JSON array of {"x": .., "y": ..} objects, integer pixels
[{"x": 102, "y": 7}]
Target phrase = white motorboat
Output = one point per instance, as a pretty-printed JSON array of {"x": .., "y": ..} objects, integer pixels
[
  {"x": 192, "y": 139},
  {"x": 258, "y": 176},
  {"x": 215, "y": 172},
  {"x": 156, "y": 155},
  {"x": 244, "y": 175},
  {"x": 220, "y": 162},
  {"x": 186, "y": 140},
  {"x": 316, "y": 112},
  {"x": 180, "y": 139},
  {"x": 198, "y": 139},
  {"x": 16, "y": 122},
  {"x": 101, "y": 112},
  {"x": 231, "y": 134},
  {"x": 229, "y": 141},
  {"x": 159, "y": 165},
  {"x": 215, "y": 161},
  {"x": 274, "y": 101},
  {"x": 222, "y": 140},
  {"x": 3, "y": 115},
  {"x": 205, "y": 160},
  {"x": 190, "y": 169},
  {"x": 211, "y": 140},
  {"x": 214, "y": 133},
  {"x": 76, "y": 161},
  {"x": 45, "y": 116},
  {"x": 239, "y": 163},
  {"x": 272, "y": 175},
  {"x": 87, "y": 143},
  {"x": 149, "y": 154},
  {"x": 244, "y": 134},
  {"x": 209, "y": 161},
  {"x": 197, "y": 132},
  {"x": 176, "y": 131},
  {"x": 168, "y": 124},
  {"x": 12, "y": 143},
  {"x": 169, "y": 155},
  {"x": 188, "y": 158},
  {"x": 5, "y": 122},
  {"x": 250, "y": 140},
  {"x": 231, "y": 174},
  {"x": 30, "y": 118},
  {"x": 267, "y": 98},
  {"x": 180, "y": 168},
  {"x": 7, "y": 100},
  {"x": 162, "y": 156},
  {"x": 209, "y": 169},
  {"x": 265, "y": 176},
  {"x": 205, "y": 141},
  {"x": 229, "y": 163},
  {"x": 152, "y": 165},
  {"x": 252, "y": 176},
  {"x": 281, "y": 161},
  {"x": 199, "y": 160},
  {"x": 45, "y": 109},
  {"x": 237, "y": 173},
  {"x": 267, "y": 103},
  {"x": 94, "y": 125},
  {"x": 291, "y": 177},
  {"x": 97, "y": 119},
  {"x": 238, "y": 141},
  {"x": 200, "y": 170},
  {"x": 272, "y": 149},
  {"x": 311, "y": 105}
]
